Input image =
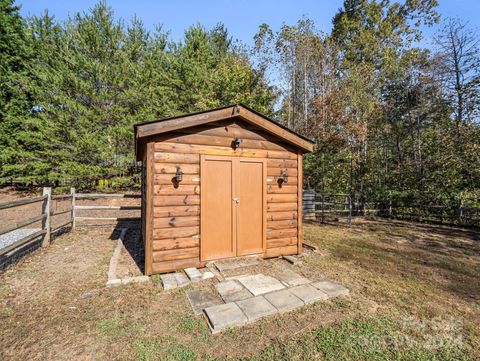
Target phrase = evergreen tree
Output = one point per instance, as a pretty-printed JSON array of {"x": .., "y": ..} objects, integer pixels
[
  {"x": 72, "y": 91},
  {"x": 213, "y": 73},
  {"x": 16, "y": 98}
]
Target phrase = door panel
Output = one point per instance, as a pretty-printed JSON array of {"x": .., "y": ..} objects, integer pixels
[
  {"x": 232, "y": 215},
  {"x": 217, "y": 211},
  {"x": 250, "y": 220}
]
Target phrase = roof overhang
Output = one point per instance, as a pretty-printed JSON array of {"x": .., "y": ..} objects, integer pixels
[{"x": 148, "y": 129}]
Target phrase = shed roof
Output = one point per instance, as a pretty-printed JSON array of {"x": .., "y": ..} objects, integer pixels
[{"x": 240, "y": 111}]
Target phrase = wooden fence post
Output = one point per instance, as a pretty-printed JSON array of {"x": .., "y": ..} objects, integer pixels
[
  {"x": 47, "y": 191},
  {"x": 72, "y": 192}
]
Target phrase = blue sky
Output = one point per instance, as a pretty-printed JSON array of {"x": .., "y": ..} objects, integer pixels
[{"x": 241, "y": 17}]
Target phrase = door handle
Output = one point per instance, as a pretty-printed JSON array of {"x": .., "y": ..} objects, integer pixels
[{"x": 236, "y": 200}]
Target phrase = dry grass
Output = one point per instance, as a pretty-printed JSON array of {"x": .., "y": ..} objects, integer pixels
[{"x": 394, "y": 271}]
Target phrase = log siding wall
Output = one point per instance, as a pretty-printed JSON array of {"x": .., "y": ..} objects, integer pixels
[{"x": 176, "y": 215}]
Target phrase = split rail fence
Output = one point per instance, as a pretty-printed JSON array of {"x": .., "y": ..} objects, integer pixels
[{"x": 43, "y": 235}]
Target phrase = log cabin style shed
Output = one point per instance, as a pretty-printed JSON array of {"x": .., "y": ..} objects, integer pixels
[{"x": 219, "y": 184}]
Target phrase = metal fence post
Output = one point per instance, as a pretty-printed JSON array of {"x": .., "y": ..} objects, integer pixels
[
  {"x": 323, "y": 201},
  {"x": 460, "y": 211},
  {"x": 349, "y": 210},
  {"x": 47, "y": 191},
  {"x": 72, "y": 192}
]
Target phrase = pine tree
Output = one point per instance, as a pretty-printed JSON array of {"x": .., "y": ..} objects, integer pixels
[
  {"x": 92, "y": 77},
  {"x": 15, "y": 90}
]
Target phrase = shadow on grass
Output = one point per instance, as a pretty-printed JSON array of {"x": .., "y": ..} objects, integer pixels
[{"x": 445, "y": 257}]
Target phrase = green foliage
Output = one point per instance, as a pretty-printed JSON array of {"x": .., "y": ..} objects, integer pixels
[
  {"x": 149, "y": 350},
  {"x": 92, "y": 77},
  {"x": 108, "y": 326},
  {"x": 368, "y": 338},
  {"x": 376, "y": 32},
  {"x": 384, "y": 113},
  {"x": 16, "y": 91}
]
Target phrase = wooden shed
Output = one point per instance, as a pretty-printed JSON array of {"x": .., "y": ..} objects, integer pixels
[{"x": 218, "y": 184}]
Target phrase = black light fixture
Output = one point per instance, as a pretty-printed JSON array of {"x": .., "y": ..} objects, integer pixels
[
  {"x": 178, "y": 175},
  {"x": 236, "y": 143},
  {"x": 283, "y": 178}
]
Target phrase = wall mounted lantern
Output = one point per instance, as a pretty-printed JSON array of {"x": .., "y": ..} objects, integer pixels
[
  {"x": 178, "y": 175},
  {"x": 283, "y": 178},
  {"x": 236, "y": 143}
]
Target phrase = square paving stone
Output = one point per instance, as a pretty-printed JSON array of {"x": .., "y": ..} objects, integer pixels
[
  {"x": 293, "y": 260},
  {"x": 193, "y": 273},
  {"x": 181, "y": 279},
  {"x": 238, "y": 296},
  {"x": 226, "y": 287},
  {"x": 229, "y": 265},
  {"x": 236, "y": 277},
  {"x": 201, "y": 299},
  {"x": 260, "y": 284},
  {"x": 284, "y": 300},
  {"x": 308, "y": 293},
  {"x": 256, "y": 307},
  {"x": 168, "y": 281},
  {"x": 232, "y": 291},
  {"x": 223, "y": 316},
  {"x": 223, "y": 266},
  {"x": 249, "y": 262},
  {"x": 207, "y": 275},
  {"x": 332, "y": 289},
  {"x": 292, "y": 278}
]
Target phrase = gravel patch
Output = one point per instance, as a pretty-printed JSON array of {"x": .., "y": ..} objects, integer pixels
[{"x": 13, "y": 236}]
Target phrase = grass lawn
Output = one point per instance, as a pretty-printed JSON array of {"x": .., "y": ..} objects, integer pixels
[{"x": 414, "y": 295}]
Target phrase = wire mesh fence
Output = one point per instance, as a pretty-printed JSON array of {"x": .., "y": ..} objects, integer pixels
[{"x": 457, "y": 210}]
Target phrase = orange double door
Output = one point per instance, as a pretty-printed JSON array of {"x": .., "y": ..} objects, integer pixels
[{"x": 232, "y": 206}]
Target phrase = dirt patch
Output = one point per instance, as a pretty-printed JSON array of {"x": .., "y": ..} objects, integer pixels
[{"x": 42, "y": 295}]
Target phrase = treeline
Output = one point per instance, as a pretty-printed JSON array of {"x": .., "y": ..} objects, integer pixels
[
  {"x": 392, "y": 121},
  {"x": 71, "y": 91},
  {"x": 389, "y": 117}
]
